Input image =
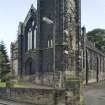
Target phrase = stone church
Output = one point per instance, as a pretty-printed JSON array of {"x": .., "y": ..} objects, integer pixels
[
  {"x": 48, "y": 42},
  {"x": 93, "y": 60}
]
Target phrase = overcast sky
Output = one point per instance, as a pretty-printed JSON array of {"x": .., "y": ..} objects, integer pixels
[
  {"x": 13, "y": 11},
  {"x": 93, "y": 14}
]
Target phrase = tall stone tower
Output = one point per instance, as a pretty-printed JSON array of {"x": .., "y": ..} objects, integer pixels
[
  {"x": 64, "y": 40},
  {"x": 71, "y": 34}
]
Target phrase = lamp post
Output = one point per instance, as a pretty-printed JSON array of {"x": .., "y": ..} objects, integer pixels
[{"x": 50, "y": 22}]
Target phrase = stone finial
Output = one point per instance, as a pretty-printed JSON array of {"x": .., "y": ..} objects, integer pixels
[{"x": 84, "y": 29}]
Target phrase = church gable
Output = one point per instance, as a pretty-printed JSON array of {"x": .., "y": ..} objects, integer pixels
[
  {"x": 31, "y": 14},
  {"x": 30, "y": 29}
]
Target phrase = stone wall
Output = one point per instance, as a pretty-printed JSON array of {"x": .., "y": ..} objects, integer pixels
[
  {"x": 48, "y": 79},
  {"x": 42, "y": 96}
]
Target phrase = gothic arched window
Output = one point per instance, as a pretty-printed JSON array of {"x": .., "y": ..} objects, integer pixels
[
  {"x": 33, "y": 23},
  {"x": 50, "y": 42},
  {"x": 29, "y": 39},
  {"x": 35, "y": 31}
]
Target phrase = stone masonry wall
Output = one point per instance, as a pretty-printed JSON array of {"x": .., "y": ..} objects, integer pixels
[
  {"x": 41, "y": 96},
  {"x": 50, "y": 79}
]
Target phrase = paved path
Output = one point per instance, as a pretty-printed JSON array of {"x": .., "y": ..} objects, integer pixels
[
  {"x": 95, "y": 95},
  {"x": 7, "y": 102}
]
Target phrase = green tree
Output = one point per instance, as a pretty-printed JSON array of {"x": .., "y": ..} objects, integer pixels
[
  {"x": 98, "y": 37},
  {"x": 4, "y": 68}
]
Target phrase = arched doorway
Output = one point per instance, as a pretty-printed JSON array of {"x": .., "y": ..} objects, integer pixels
[
  {"x": 28, "y": 66},
  {"x": 97, "y": 71}
]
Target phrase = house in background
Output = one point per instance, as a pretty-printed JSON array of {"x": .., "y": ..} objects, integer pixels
[{"x": 14, "y": 59}]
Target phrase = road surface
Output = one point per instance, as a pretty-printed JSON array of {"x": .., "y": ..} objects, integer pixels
[
  {"x": 7, "y": 102},
  {"x": 95, "y": 95}
]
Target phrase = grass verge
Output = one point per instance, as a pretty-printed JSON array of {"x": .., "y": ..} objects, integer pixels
[{"x": 2, "y": 84}]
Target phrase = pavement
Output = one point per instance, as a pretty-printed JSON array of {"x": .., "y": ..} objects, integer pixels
[
  {"x": 8, "y": 102},
  {"x": 94, "y": 94}
]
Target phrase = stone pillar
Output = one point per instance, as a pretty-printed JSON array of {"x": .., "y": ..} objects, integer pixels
[
  {"x": 83, "y": 46},
  {"x": 20, "y": 38},
  {"x": 73, "y": 75}
]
